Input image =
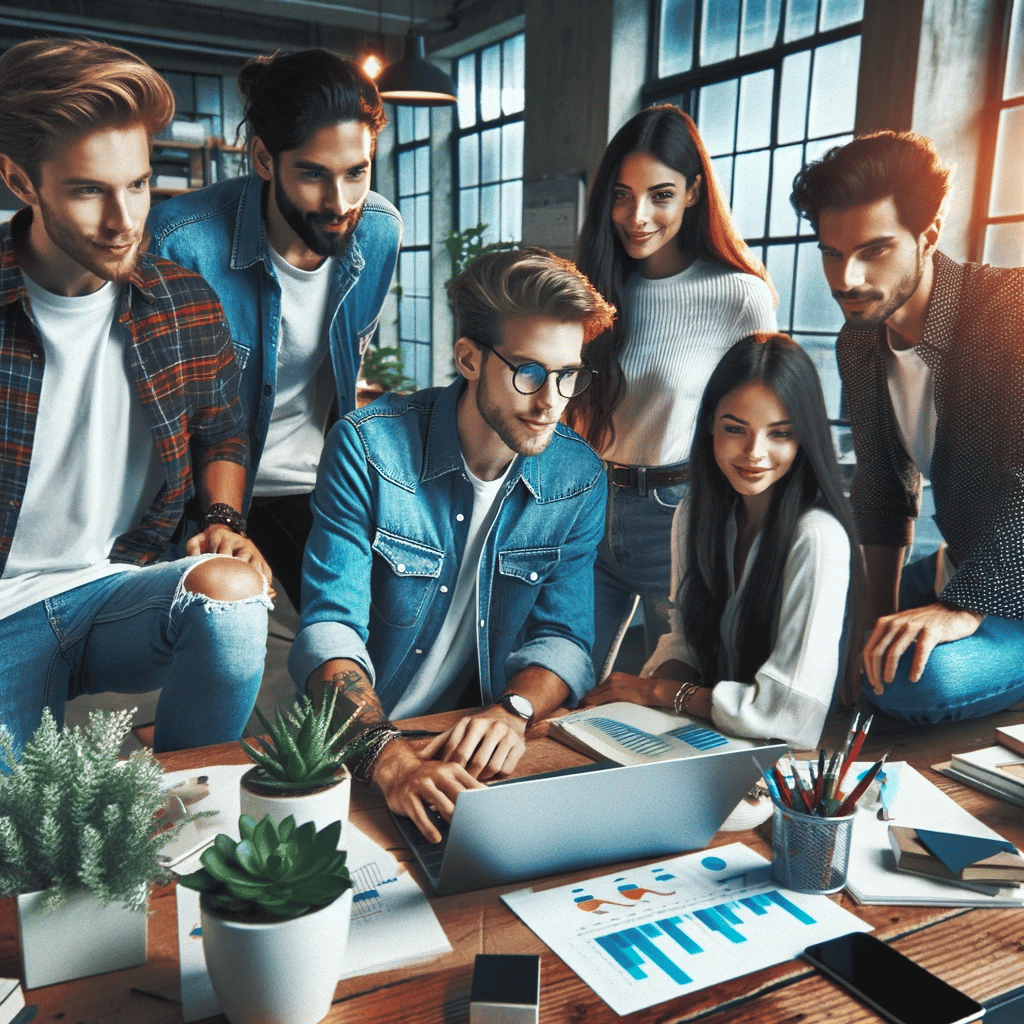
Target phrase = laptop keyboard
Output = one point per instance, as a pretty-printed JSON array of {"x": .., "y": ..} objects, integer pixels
[{"x": 429, "y": 854}]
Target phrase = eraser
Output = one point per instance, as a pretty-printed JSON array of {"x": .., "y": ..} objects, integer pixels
[{"x": 506, "y": 989}]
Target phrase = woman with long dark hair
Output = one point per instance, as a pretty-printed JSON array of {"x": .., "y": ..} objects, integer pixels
[
  {"x": 763, "y": 554},
  {"x": 659, "y": 243}
]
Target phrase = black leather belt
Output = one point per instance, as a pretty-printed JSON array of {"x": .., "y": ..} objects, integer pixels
[{"x": 646, "y": 478}]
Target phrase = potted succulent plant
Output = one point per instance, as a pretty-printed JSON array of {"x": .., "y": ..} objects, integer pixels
[
  {"x": 275, "y": 910},
  {"x": 79, "y": 847},
  {"x": 300, "y": 770}
]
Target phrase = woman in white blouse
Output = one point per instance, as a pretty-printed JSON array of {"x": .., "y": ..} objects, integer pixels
[
  {"x": 763, "y": 553},
  {"x": 659, "y": 243}
]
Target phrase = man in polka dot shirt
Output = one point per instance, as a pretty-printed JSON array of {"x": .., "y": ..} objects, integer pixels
[
  {"x": 932, "y": 362},
  {"x": 454, "y": 534}
]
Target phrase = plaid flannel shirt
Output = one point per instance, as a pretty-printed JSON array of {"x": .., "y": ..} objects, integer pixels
[{"x": 181, "y": 363}]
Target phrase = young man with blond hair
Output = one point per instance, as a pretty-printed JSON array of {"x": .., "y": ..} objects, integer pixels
[
  {"x": 118, "y": 390},
  {"x": 474, "y": 516}
]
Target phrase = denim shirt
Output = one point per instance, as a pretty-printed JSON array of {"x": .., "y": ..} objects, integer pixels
[
  {"x": 219, "y": 233},
  {"x": 391, "y": 509}
]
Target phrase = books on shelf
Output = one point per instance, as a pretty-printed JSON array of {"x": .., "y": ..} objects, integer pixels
[
  {"x": 956, "y": 858},
  {"x": 633, "y": 734}
]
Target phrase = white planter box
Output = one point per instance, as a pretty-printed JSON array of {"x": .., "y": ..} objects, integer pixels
[
  {"x": 79, "y": 938},
  {"x": 279, "y": 973},
  {"x": 321, "y": 806}
]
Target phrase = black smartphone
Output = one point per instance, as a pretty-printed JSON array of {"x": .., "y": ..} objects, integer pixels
[{"x": 897, "y": 988}]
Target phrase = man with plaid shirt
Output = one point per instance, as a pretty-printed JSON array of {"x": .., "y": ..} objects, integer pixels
[{"x": 118, "y": 389}]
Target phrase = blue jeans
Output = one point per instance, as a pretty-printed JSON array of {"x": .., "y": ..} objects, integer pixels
[
  {"x": 978, "y": 675},
  {"x": 635, "y": 558},
  {"x": 133, "y": 632}
]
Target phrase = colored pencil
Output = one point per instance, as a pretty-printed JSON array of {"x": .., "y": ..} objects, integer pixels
[{"x": 858, "y": 791}]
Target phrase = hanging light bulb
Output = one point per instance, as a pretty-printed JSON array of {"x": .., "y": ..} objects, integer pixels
[
  {"x": 414, "y": 81},
  {"x": 373, "y": 65}
]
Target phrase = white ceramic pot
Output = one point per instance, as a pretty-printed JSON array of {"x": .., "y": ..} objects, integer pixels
[
  {"x": 283, "y": 972},
  {"x": 321, "y": 806},
  {"x": 78, "y": 938}
]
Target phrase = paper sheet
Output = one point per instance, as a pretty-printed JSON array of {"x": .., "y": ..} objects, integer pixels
[
  {"x": 393, "y": 924},
  {"x": 872, "y": 877},
  {"x": 652, "y": 933}
]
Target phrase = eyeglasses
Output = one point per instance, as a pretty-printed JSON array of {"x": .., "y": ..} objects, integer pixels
[{"x": 529, "y": 378}]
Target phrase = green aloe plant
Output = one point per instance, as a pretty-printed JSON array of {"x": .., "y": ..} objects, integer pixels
[
  {"x": 303, "y": 752},
  {"x": 273, "y": 871}
]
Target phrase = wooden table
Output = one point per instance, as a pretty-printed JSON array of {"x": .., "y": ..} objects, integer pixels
[{"x": 979, "y": 951}]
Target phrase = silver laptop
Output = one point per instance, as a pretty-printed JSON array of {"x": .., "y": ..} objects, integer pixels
[{"x": 581, "y": 817}]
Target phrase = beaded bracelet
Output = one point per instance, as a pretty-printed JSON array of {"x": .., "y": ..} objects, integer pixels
[
  {"x": 380, "y": 736},
  {"x": 224, "y": 515},
  {"x": 682, "y": 698}
]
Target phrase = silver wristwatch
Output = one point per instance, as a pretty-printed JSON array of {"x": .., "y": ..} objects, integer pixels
[{"x": 516, "y": 705}]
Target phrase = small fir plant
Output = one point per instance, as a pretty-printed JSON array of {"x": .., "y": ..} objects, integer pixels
[
  {"x": 303, "y": 752},
  {"x": 73, "y": 815},
  {"x": 274, "y": 871}
]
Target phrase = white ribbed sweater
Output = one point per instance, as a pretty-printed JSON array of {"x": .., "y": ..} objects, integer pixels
[{"x": 676, "y": 329}]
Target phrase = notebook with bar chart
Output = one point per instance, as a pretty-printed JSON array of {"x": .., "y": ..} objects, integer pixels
[{"x": 632, "y": 734}]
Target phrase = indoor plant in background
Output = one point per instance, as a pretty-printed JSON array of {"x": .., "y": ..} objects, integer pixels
[
  {"x": 275, "y": 911},
  {"x": 300, "y": 769},
  {"x": 78, "y": 847}
]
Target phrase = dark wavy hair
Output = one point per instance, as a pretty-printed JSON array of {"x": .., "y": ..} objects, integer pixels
[
  {"x": 779, "y": 363},
  {"x": 904, "y": 165},
  {"x": 291, "y": 96},
  {"x": 707, "y": 233}
]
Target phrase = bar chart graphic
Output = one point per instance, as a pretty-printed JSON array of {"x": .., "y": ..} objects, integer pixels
[{"x": 696, "y": 920}]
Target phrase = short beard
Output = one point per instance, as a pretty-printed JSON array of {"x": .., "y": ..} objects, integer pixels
[
  {"x": 900, "y": 297},
  {"x": 77, "y": 248},
  {"x": 498, "y": 421},
  {"x": 307, "y": 226}
]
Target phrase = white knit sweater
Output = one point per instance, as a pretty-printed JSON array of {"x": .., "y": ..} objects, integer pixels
[{"x": 676, "y": 329}]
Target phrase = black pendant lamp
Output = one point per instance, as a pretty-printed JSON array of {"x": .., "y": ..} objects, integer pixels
[{"x": 414, "y": 81}]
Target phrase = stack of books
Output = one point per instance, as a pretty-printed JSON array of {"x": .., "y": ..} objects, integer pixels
[
  {"x": 997, "y": 770},
  {"x": 988, "y": 865}
]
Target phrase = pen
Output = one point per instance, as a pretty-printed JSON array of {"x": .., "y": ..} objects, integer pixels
[
  {"x": 854, "y": 749},
  {"x": 770, "y": 783},
  {"x": 799, "y": 787},
  {"x": 858, "y": 791},
  {"x": 821, "y": 778}
]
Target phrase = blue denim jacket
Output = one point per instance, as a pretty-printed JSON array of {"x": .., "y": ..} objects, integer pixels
[
  {"x": 219, "y": 233},
  {"x": 391, "y": 511}
]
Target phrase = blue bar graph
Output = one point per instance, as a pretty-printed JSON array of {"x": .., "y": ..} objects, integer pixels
[
  {"x": 636, "y": 740},
  {"x": 713, "y": 918},
  {"x": 670, "y": 926},
  {"x": 625, "y": 947},
  {"x": 699, "y": 736}
]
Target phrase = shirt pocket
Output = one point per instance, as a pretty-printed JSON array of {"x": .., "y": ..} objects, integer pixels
[
  {"x": 402, "y": 578},
  {"x": 517, "y": 586}
]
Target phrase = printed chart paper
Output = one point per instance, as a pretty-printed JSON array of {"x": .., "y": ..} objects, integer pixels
[{"x": 652, "y": 933}]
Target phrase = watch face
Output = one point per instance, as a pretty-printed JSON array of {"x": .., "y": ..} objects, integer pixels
[{"x": 519, "y": 705}]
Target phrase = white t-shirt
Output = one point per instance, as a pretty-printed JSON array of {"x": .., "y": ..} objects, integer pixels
[
  {"x": 791, "y": 693},
  {"x": 94, "y": 470},
  {"x": 432, "y": 687},
  {"x": 295, "y": 438},
  {"x": 912, "y": 390},
  {"x": 675, "y": 331}
]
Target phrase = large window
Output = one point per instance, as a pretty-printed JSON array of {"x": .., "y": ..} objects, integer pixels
[
  {"x": 1004, "y": 223},
  {"x": 412, "y": 156},
  {"x": 489, "y": 140},
  {"x": 772, "y": 84}
]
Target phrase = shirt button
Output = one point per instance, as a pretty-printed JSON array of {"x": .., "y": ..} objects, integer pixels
[
  {"x": 400, "y": 567},
  {"x": 533, "y": 575},
  {"x": 419, "y": 650},
  {"x": 444, "y": 589},
  {"x": 481, "y": 623},
  {"x": 267, "y": 389},
  {"x": 459, "y": 518}
]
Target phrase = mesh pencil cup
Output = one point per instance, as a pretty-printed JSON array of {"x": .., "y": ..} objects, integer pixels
[{"x": 810, "y": 854}]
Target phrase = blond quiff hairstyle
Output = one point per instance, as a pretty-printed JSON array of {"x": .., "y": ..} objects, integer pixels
[{"x": 55, "y": 90}]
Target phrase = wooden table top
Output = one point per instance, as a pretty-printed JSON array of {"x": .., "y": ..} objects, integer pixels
[{"x": 978, "y": 951}]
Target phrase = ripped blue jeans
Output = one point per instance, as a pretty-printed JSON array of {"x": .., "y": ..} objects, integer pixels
[{"x": 132, "y": 632}]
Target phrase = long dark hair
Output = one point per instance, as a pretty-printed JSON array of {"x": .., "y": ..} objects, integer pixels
[
  {"x": 779, "y": 363},
  {"x": 707, "y": 233}
]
